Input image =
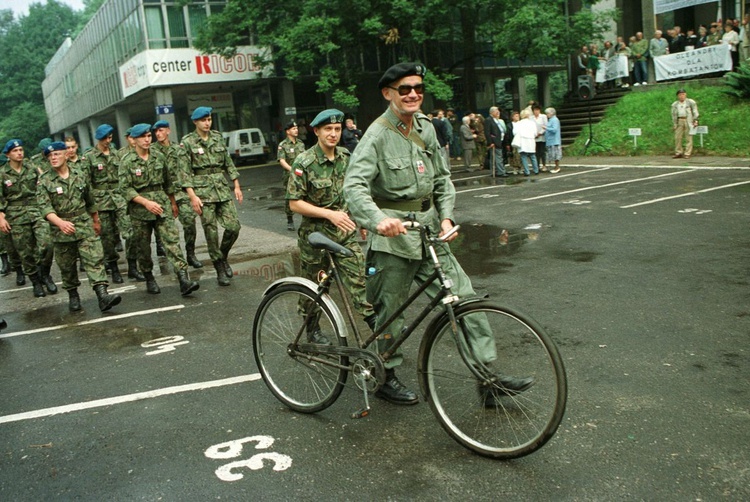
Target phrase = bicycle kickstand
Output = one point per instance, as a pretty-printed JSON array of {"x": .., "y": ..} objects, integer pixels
[{"x": 366, "y": 410}]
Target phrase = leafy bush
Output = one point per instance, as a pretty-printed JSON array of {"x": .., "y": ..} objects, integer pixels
[{"x": 739, "y": 82}]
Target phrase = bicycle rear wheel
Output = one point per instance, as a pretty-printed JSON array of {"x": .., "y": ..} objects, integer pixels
[
  {"x": 302, "y": 384},
  {"x": 493, "y": 421}
]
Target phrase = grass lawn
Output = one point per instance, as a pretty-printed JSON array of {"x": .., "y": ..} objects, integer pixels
[{"x": 727, "y": 118}]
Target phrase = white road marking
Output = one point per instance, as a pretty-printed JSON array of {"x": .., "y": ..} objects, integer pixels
[
  {"x": 92, "y": 321},
  {"x": 662, "y": 199},
  {"x": 505, "y": 186},
  {"x": 605, "y": 185},
  {"x": 128, "y": 398}
]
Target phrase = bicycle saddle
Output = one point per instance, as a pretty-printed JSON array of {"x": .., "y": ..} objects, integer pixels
[{"x": 320, "y": 241}]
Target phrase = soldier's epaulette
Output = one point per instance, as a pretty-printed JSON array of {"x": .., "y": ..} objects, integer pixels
[
  {"x": 305, "y": 160},
  {"x": 340, "y": 150},
  {"x": 421, "y": 115}
]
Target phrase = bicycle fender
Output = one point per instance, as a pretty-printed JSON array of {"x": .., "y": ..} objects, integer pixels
[{"x": 326, "y": 299}]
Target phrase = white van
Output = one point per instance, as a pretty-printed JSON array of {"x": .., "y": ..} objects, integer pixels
[{"x": 246, "y": 145}]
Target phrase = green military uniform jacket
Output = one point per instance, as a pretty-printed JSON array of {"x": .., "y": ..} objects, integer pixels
[
  {"x": 289, "y": 151},
  {"x": 317, "y": 180},
  {"x": 18, "y": 193},
  {"x": 177, "y": 161},
  {"x": 387, "y": 169},
  {"x": 71, "y": 199},
  {"x": 149, "y": 178},
  {"x": 207, "y": 162},
  {"x": 102, "y": 171}
]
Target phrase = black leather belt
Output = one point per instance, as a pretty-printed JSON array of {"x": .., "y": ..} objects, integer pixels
[
  {"x": 67, "y": 216},
  {"x": 419, "y": 205},
  {"x": 211, "y": 170}
]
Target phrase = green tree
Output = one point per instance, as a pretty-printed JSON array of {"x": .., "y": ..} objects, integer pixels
[{"x": 26, "y": 46}]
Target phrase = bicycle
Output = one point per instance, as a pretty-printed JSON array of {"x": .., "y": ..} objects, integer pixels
[{"x": 466, "y": 395}]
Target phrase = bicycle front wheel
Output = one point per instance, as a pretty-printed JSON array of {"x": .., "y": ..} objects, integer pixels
[
  {"x": 494, "y": 420},
  {"x": 304, "y": 382}
]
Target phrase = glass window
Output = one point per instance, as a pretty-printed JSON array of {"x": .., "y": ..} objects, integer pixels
[
  {"x": 177, "y": 29},
  {"x": 157, "y": 39},
  {"x": 197, "y": 15}
]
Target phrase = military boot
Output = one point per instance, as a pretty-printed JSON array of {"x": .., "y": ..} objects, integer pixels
[
  {"x": 186, "y": 285},
  {"x": 116, "y": 276},
  {"x": 20, "y": 277},
  {"x": 221, "y": 274},
  {"x": 192, "y": 260},
  {"x": 227, "y": 269},
  {"x": 47, "y": 280},
  {"x": 151, "y": 286},
  {"x": 36, "y": 281},
  {"x": 160, "y": 248},
  {"x": 5, "y": 268},
  {"x": 133, "y": 272},
  {"x": 74, "y": 301},
  {"x": 290, "y": 223},
  {"x": 106, "y": 301}
]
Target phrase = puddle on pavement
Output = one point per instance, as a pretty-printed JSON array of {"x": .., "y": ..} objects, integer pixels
[
  {"x": 481, "y": 249},
  {"x": 487, "y": 180}
]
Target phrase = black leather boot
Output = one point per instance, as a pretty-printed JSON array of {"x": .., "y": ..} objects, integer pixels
[
  {"x": 290, "y": 223},
  {"x": 74, "y": 301},
  {"x": 394, "y": 391},
  {"x": 116, "y": 276},
  {"x": 5, "y": 268},
  {"x": 151, "y": 286},
  {"x": 20, "y": 277},
  {"x": 227, "y": 269},
  {"x": 49, "y": 283},
  {"x": 221, "y": 274},
  {"x": 186, "y": 285},
  {"x": 106, "y": 301},
  {"x": 36, "y": 281},
  {"x": 192, "y": 260},
  {"x": 160, "y": 249},
  {"x": 133, "y": 272}
]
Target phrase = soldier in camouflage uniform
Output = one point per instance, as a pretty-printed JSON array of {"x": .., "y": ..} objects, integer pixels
[
  {"x": 288, "y": 151},
  {"x": 65, "y": 200},
  {"x": 71, "y": 150},
  {"x": 19, "y": 217},
  {"x": 203, "y": 180},
  {"x": 100, "y": 164},
  {"x": 315, "y": 191},
  {"x": 176, "y": 160},
  {"x": 147, "y": 186}
]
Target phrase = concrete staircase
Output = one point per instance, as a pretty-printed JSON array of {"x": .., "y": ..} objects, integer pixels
[{"x": 574, "y": 113}]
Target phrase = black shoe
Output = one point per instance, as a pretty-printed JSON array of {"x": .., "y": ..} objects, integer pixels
[
  {"x": 106, "y": 301},
  {"x": 318, "y": 337},
  {"x": 504, "y": 386},
  {"x": 192, "y": 260},
  {"x": 74, "y": 301},
  {"x": 20, "y": 277},
  {"x": 116, "y": 276},
  {"x": 38, "y": 287},
  {"x": 151, "y": 286},
  {"x": 133, "y": 272},
  {"x": 160, "y": 249},
  {"x": 47, "y": 280},
  {"x": 186, "y": 285},
  {"x": 395, "y": 392},
  {"x": 5, "y": 268},
  {"x": 227, "y": 269},
  {"x": 221, "y": 275}
]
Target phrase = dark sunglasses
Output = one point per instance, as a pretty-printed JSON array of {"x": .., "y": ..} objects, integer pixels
[{"x": 405, "y": 90}]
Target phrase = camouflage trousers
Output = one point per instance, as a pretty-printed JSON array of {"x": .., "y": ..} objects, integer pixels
[
  {"x": 32, "y": 242},
  {"x": 351, "y": 269},
  {"x": 166, "y": 231},
  {"x": 187, "y": 220},
  {"x": 6, "y": 246},
  {"x": 92, "y": 257},
  {"x": 113, "y": 223},
  {"x": 285, "y": 183},
  {"x": 224, "y": 214}
]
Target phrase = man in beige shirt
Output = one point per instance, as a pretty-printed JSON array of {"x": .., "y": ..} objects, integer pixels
[{"x": 684, "y": 117}]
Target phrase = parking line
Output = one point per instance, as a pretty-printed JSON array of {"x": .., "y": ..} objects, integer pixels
[
  {"x": 605, "y": 185},
  {"x": 128, "y": 398},
  {"x": 503, "y": 185},
  {"x": 92, "y": 321},
  {"x": 661, "y": 199}
]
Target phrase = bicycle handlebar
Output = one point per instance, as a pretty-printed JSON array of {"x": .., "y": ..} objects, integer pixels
[{"x": 425, "y": 231}]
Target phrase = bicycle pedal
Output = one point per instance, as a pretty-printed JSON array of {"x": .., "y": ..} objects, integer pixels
[{"x": 361, "y": 413}]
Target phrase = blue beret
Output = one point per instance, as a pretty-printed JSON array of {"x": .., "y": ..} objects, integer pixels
[
  {"x": 55, "y": 146},
  {"x": 127, "y": 131},
  {"x": 44, "y": 143},
  {"x": 10, "y": 145},
  {"x": 139, "y": 130},
  {"x": 399, "y": 71},
  {"x": 103, "y": 131},
  {"x": 201, "y": 112},
  {"x": 330, "y": 116},
  {"x": 159, "y": 124}
]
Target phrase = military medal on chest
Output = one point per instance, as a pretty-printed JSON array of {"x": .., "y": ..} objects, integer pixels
[
  {"x": 59, "y": 190},
  {"x": 200, "y": 151},
  {"x": 8, "y": 183},
  {"x": 138, "y": 172},
  {"x": 100, "y": 167},
  {"x": 420, "y": 166}
]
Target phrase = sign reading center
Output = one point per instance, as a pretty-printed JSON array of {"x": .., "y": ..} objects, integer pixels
[{"x": 164, "y": 67}]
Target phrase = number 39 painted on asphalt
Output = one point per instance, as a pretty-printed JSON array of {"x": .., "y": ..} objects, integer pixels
[{"x": 232, "y": 449}]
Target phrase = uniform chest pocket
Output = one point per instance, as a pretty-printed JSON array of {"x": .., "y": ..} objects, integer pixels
[
  {"x": 400, "y": 173},
  {"x": 321, "y": 190}
]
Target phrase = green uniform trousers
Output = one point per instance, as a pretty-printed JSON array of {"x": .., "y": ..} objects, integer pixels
[
  {"x": 114, "y": 222},
  {"x": 92, "y": 257},
  {"x": 388, "y": 289},
  {"x": 166, "y": 231},
  {"x": 32, "y": 242},
  {"x": 224, "y": 214}
]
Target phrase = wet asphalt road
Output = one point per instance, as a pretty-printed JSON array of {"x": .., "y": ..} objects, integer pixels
[{"x": 644, "y": 288}]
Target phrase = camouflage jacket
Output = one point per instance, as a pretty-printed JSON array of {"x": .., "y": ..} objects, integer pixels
[
  {"x": 149, "y": 178},
  {"x": 207, "y": 163},
  {"x": 102, "y": 172},
  {"x": 71, "y": 199},
  {"x": 18, "y": 193}
]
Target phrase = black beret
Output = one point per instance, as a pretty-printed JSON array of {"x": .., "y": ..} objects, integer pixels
[
  {"x": 289, "y": 125},
  {"x": 399, "y": 71}
]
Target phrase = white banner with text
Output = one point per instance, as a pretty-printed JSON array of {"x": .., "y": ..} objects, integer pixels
[
  {"x": 616, "y": 67},
  {"x": 711, "y": 59},
  {"x": 661, "y": 6}
]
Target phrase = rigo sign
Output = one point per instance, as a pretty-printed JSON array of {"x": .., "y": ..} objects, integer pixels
[{"x": 166, "y": 67}]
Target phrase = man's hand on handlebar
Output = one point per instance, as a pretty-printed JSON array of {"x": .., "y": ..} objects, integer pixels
[
  {"x": 445, "y": 226},
  {"x": 391, "y": 227}
]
